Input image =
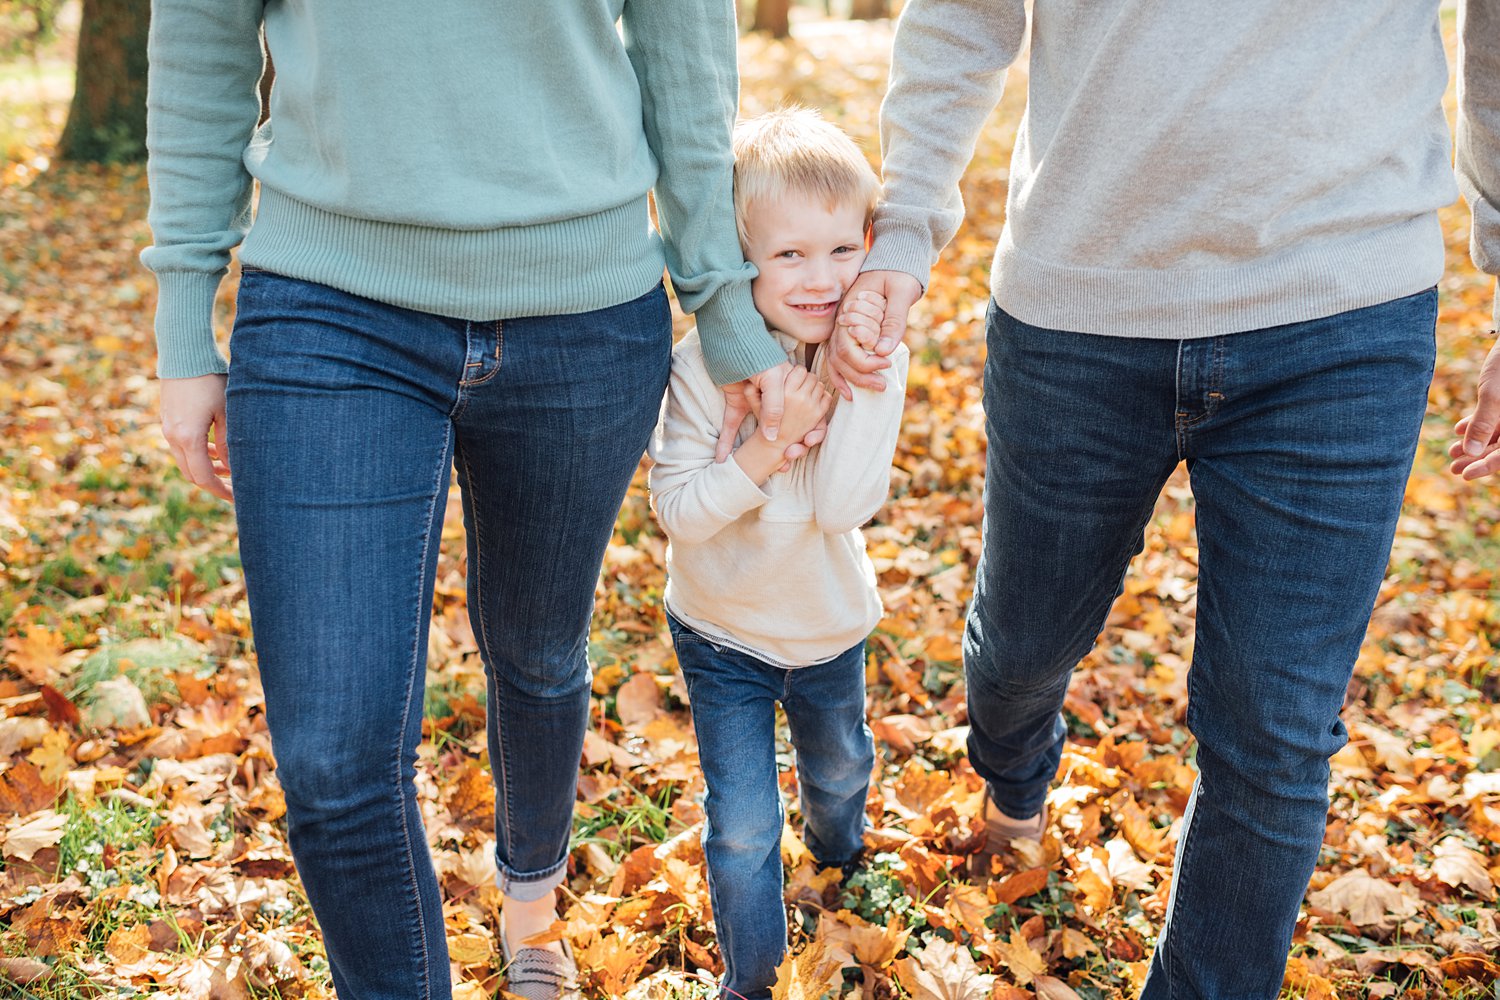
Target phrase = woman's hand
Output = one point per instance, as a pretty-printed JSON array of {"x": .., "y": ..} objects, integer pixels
[{"x": 192, "y": 421}]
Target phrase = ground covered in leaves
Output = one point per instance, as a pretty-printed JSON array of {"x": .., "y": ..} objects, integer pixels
[{"x": 141, "y": 823}]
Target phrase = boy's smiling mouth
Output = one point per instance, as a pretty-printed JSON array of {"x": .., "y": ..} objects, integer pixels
[{"x": 814, "y": 307}]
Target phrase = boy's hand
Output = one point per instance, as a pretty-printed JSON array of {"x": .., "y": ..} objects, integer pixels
[
  {"x": 848, "y": 362},
  {"x": 744, "y": 398},
  {"x": 860, "y": 316},
  {"x": 806, "y": 403}
]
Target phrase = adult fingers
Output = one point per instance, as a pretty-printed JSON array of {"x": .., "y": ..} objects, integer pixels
[
  {"x": 856, "y": 365},
  {"x": 1484, "y": 422},
  {"x": 199, "y": 468},
  {"x": 772, "y": 404},
  {"x": 736, "y": 408},
  {"x": 901, "y": 292}
]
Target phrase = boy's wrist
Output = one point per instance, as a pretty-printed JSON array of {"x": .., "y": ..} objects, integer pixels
[{"x": 759, "y": 458}]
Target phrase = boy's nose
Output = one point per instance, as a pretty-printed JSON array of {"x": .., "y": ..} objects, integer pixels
[{"x": 820, "y": 278}]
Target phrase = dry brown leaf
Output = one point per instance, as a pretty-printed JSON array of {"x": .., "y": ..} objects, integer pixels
[
  {"x": 24, "y": 970},
  {"x": 476, "y": 949},
  {"x": 24, "y": 837},
  {"x": 1076, "y": 944},
  {"x": 1125, "y": 868},
  {"x": 970, "y": 905},
  {"x": 638, "y": 701},
  {"x": 869, "y": 943},
  {"x": 21, "y": 734},
  {"x": 943, "y": 971},
  {"x": 807, "y": 975},
  {"x": 905, "y": 680},
  {"x": 129, "y": 945},
  {"x": 1139, "y": 830},
  {"x": 36, "y": 655},
  {"x": 1020, "y": 885},
  {"x": 1456, "y": 865},
  {"x": 1052, "y": 988},
  {"x": 616, "y": 960},
  {"x": 1365, "y": 899},
  {"x": 1016, "y": 954},
  {"x": 23, "y": 791},
  {"x": 901, "y": 733}
]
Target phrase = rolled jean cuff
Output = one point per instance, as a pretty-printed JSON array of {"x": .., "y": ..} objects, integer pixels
[{"x": 526, "y": 887}]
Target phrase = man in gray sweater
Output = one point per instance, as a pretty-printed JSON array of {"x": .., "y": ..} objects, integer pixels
[{"x": 1221, "y": 247}]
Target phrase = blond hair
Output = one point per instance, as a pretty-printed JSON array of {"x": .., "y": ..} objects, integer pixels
[{"x": 796, "y": 150}]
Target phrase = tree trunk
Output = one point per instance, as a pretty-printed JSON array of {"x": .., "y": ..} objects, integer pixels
[
  {"x": 869, "y": 10},
  {"x": 267, "y": 78},
  {"x": 107, "y": 121},
  {"x": 771, "y": 16}
]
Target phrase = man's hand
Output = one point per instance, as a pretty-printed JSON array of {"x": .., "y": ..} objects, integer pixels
[
  {"x": 849, "y": 362},
  {"x": 1475, "y": 454},
  {"x": 190, "y": 409}
]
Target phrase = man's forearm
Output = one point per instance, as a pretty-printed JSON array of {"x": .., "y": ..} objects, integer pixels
[
  {"x": 947, "y": 72},
  {"x": 1478, "y": 152}
]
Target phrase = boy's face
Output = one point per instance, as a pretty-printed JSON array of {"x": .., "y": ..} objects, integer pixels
[{"x": 808, "y": 254}]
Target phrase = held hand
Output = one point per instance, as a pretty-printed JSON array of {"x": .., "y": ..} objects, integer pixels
[
  {"x": 1476, "y": 453},
  {"x": 738, "y": 404},
  {"x": 851, "y": 363},
  {"x": 861, "y": 313},
  {"x": 807, "y": 404},
  {"x": 759, "y": 394},
  {"x": 191, "y": 408}
]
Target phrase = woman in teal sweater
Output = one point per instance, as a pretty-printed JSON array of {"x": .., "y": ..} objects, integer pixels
[{"x": 452, "y": 264}]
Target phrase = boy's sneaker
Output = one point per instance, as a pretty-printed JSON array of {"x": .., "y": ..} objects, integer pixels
[
  {"x": 1000, "y": 831},
  {"x": 539, "y": 973}
]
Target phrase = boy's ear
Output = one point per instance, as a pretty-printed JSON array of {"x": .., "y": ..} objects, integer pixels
[{"x": 869, "y": 236}]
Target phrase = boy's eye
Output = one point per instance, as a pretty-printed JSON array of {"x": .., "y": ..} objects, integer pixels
[
  {"x": 848, "y": 248},
  {"x": 787, "y": 254}
]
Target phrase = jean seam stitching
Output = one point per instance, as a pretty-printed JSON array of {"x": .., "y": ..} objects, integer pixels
[
  {"x": 497, "y": 767},
  {"x": 481, "y": 380},
  {"x": 416, "y": 651},
  {"x": 461, "y": 395},
  {"x": 1177, "y": 426}
]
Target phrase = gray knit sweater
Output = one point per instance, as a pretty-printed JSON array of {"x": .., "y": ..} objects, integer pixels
[{"x": 1189, "y": 169}]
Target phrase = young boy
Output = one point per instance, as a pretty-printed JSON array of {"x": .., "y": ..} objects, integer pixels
[{"x": 770, "y": 595}]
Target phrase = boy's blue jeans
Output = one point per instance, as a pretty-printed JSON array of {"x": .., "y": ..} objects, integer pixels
[
  {"x": 345, "y": 418},
  {"x": 1298, "y": 441},
  {"x": 733, "y": 696}
]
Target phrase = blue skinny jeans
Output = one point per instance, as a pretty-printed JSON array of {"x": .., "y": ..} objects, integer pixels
[
  {"x": 734, "y": 696},
  {"x": 344, "y": 418},
  {"x": 1298, "y": 441}
]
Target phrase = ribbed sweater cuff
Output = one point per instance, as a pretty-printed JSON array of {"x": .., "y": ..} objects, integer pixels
[
  {"x": 735, "y": 492},
  {"x": 735, "y": 341},
  {"x": 900, "y": 248},
  {"x": 185, "y": 345}
]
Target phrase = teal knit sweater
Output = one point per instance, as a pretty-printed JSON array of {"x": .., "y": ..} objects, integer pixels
[{"x": 481, "y": 159}]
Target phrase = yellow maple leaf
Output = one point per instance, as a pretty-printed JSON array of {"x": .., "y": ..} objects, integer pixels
[
  {"x": 1017, "y": 955},
  {"x": 805, "y": 975},
  {"x": 52, "y": 757}
]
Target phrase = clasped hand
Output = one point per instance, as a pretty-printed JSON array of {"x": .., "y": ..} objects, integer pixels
[{"x": 766, "y": 394}]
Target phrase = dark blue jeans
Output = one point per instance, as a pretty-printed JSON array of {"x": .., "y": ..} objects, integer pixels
[
  {"x": 345, "y": 416},
  {"x": 733, "y": 697},
  {"x": 1298, "y": 441}
]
